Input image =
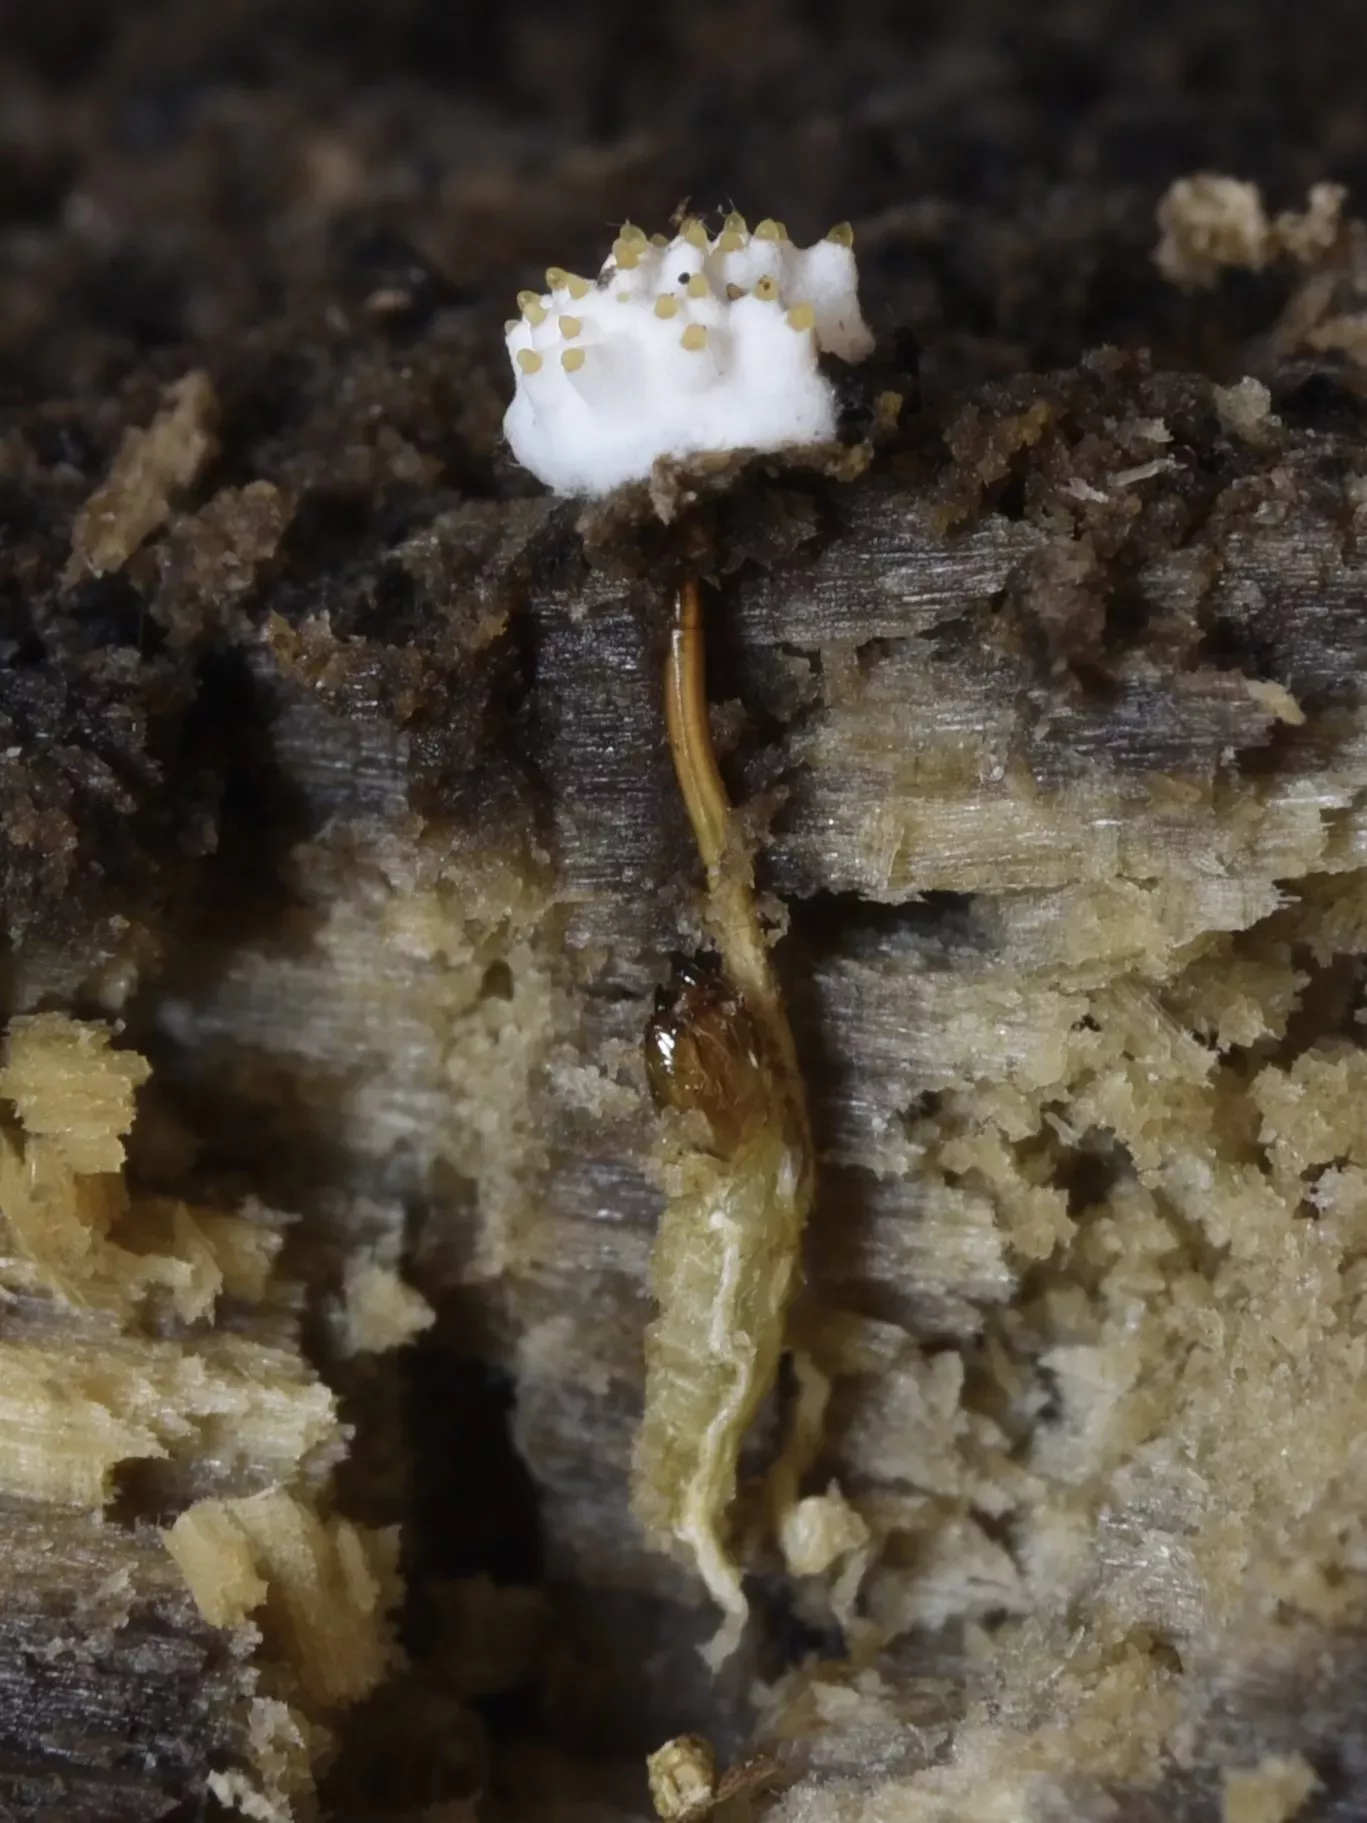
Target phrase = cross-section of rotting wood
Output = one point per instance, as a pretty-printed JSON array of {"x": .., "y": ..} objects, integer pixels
[{"x": 341, "y": 860}]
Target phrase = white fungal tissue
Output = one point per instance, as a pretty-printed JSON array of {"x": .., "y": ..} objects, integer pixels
[{"x": 680, "y": 346}]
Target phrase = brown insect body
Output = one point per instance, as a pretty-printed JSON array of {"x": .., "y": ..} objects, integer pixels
[{"x": 705, "y": 1055}]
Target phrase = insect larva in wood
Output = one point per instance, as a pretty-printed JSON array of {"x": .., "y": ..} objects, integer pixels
[
  {"x": 720, "y": 1060},
  {"x": 684, "y": 1784},
  {"x": 739, "y": 1185}
]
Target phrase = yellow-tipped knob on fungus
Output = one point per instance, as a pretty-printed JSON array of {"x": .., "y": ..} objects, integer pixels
[
  {"x": 529, "y": 360},
  {"x": 694, "y": 337},
  {"x": 842, "y": 234}
]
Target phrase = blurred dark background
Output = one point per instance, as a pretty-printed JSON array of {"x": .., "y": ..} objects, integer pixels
[{"x": 174, "y": 173}]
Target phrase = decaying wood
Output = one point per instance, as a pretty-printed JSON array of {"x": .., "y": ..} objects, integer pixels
[
  {"x": 1071, "y": 910},
  {"x": 339, "y": 838}
]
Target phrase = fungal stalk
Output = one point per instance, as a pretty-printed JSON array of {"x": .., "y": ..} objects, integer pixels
[{"x": 684, "y": 346}]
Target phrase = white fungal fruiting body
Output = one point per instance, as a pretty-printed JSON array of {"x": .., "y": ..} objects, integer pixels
[{"x": 680, "y": 347}]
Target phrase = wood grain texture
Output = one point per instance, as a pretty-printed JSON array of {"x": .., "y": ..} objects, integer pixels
[{"x": 345, "y": 791}]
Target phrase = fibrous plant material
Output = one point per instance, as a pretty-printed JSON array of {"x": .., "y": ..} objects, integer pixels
[
  {"x": 685, "y": 1786},
  {"x": 683, "y": 1778},
  {"x": 152, "y": 468},
  {"x": 381, "y": 1311},
  {"x": 1092, "y": 1364},
  {"x": 113, "y": 1362},
  {"x": 321, "y": 1591},
  {"x": 1274, "y": 1791},
  {"x": 1212, "y": 223},
  {"x": 71, "y": 1090}
]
